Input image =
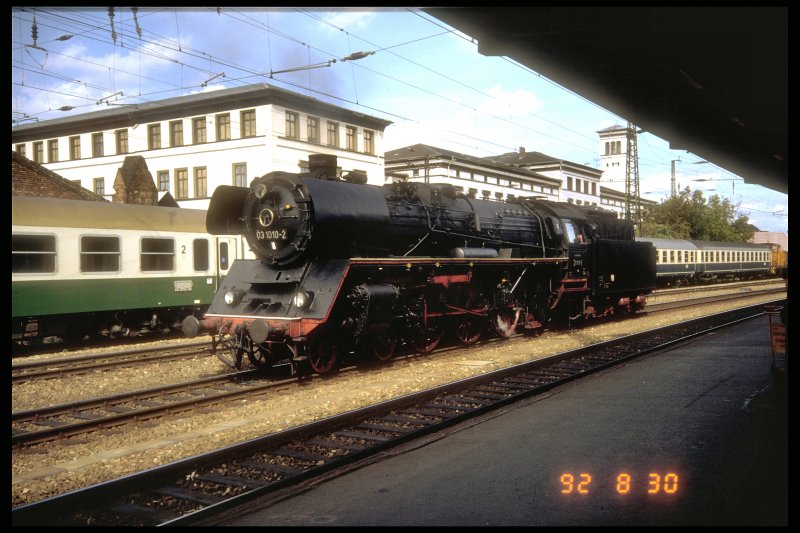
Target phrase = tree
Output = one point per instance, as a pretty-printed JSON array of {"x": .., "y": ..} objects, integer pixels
[{"x": 689, "y": 216}]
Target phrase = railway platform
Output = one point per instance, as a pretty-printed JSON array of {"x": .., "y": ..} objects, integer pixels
[{"x": 693, "y": 435}]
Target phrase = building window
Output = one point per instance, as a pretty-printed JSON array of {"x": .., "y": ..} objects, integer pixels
[
  {"x": 176, "y": 133},
  {"x": 38, "y": 152},
  {"x": 99, "y": 186},
  {"x": 199, "y": 130},
  {"x": 223, "y": 127},
  {"x": 369, "y": 142},
  {"x": 153, "y": 136},
  {"x": 122, "y": 141},
  {"x": 100, "y": 254},
  {"x": 163, "y": 180},
  {"x": 74, "y": 148},
  {"x": 594, "y": 188},
  {"x": 33, "y": 254},
  {"x": 240, "y": 174},
  {"x": 97, "y": 145},
  {"x": 351, "y": 142},
  {"x": 292, "y": 120},
  {"x": 313, "y": 129},
  {"x": 333, "y": 134},
  {"x": 248, "y": 119},
  {"x": 20, "y": 148},
  {"x": 569, "y": 183},
  {"x": 181, "y": 183},
  {"x": 200, "y": 182},
  {"x": 52, "y": 151},
  {"x": 157, "y": 255}
]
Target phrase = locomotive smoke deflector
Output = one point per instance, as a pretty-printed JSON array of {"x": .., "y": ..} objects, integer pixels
[{"x": 224, "y": 215}]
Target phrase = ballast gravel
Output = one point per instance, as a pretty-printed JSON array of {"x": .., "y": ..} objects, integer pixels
[{"x": 56, "y": 467}]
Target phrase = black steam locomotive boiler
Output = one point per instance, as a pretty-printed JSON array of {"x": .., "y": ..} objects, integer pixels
[{"x": 349, "y": 268}]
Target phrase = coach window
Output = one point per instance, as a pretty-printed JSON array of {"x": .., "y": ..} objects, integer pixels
[
  {"x": 100, "y": 254},
  {"x": 200, "y": 254},
  {"x": 672, "y": 256},
  {"x": 157, "y": 255},
  {"x": 33, "y": 254}
]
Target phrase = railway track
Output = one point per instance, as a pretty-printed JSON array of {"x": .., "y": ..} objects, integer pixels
[
  {"x": 60, "y": 367},
  {"x": 657, "y": 306},
  {"x": 65, "y": 420},
  {"x": 195, "y": 490}
]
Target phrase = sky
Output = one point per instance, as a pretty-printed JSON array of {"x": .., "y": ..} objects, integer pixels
[{"x": 425, "y": 77}]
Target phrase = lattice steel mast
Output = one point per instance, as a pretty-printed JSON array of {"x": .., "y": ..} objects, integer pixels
[{"x": 633, "y": 207}]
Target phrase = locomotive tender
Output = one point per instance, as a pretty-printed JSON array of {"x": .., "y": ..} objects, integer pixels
[{"x": 344, "y": 267}]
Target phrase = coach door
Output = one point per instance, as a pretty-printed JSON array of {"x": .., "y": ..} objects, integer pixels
[{"x": 227, "y": 253}]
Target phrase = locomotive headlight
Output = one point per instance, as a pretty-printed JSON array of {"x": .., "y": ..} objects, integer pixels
[
  {"x": 260, "y": 190},
  {"x": 303, "y": 299},
  {"x": 232, "y": 297}
]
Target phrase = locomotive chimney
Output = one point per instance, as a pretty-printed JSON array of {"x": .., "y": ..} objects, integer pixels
[{"x": 322, "y": 166}]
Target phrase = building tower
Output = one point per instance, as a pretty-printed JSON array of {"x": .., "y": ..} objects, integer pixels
[{"x": 613, "y": 150}]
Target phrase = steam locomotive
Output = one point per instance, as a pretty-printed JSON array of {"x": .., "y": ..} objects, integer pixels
[{"x": 345, "y": 268}]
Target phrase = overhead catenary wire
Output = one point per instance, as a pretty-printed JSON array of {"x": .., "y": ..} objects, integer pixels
[{"x": 134, "y": 27}]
